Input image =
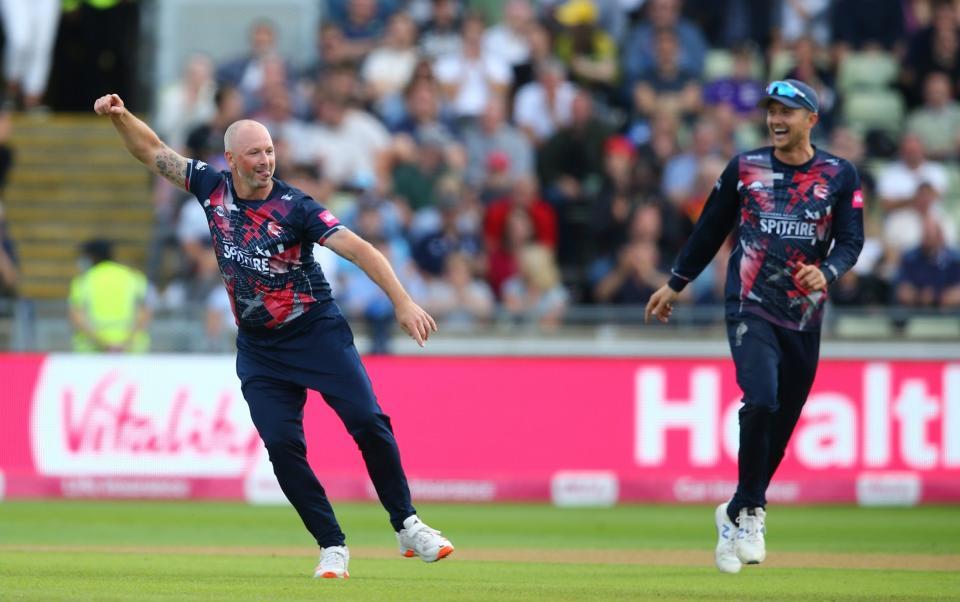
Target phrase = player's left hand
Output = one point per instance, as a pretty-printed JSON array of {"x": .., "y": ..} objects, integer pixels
[
  {"x": 810, "y": 277},
  {"x": 415, "y": 321},
  {"x": 660, "y": 304}
]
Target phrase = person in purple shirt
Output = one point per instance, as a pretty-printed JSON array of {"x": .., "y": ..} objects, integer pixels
[
  {"x": 798, "y": 214},
  {"x": 292, "y": 336}
]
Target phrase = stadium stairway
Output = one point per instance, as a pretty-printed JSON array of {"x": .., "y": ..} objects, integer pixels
[{"x": 72, "y": 180}]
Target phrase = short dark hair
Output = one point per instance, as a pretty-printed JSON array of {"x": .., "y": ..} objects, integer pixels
[{"x": 97, "y": 250}]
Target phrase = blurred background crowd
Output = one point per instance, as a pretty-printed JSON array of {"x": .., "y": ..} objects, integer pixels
[{"x": 534, "y": 162}]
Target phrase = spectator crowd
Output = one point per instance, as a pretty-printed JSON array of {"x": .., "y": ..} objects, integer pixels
[{"x": 514, "y": 158}]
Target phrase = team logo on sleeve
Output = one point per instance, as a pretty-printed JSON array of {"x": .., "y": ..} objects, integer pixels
[
  {"x": 328, "y": 218},
  {"x": 857, "y": 199},
  {"x": 200, "y": 166}
]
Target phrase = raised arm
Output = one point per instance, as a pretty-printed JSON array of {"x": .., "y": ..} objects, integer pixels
[
  {"x": 142, "y": 142},
  {"x": 412, "y": 318}
]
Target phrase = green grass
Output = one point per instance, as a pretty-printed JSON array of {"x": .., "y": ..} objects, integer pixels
[{"x": 137, "y": 575}]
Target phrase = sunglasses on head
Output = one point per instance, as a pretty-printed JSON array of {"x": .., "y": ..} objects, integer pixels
[{"x": 788, "y": 90}]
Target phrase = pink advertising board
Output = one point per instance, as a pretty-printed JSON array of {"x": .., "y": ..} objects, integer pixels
[{"x": 574, "y": 430}]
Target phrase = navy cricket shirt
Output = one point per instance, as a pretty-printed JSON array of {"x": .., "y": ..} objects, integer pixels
[
  {"x": 784, "y": 214},
  {"x": 265, "y": 248}
]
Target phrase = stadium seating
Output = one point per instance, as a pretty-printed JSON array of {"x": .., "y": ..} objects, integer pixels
[
  {"x": 74, "y": 181},
  {"x": 862, "y": 71}
]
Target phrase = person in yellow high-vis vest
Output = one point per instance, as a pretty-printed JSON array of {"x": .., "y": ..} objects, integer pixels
[{"x": 108, "y": 303}]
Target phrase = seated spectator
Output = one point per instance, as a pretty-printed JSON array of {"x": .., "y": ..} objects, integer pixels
[
  {"x": 186, "y": 103},
  {"x": 543, "y": 106},
  {"x": 866, "y": 25},
  {"x": 507, "y": 39},
  {"x": 417, "y": 169},
  {"x": 389, "y": 67},
  {"x": 588, "y": 52},
  {"x": 493, "y": 134},
  {"x": 331, "y": 53},
  {"x": 933, "y": 48},
  {"x": 503, "y": 258},
  {"x": 275, "y": 77},
  {"x": 691, "y": 206},
  {"x": 634, "y": 279},
  {"x": 523, "y": 195},
  {"x": 432, "y": 251},
  {"x": 854, "y": 289},
  {"x": 848, "y": 143},
  {"x": 903, "y": 228},
  {"x": 362, "y": 22},
  {"x": 246, "y": 72},
  {"x": 680, "y": 171},
  {"x": 458, "y": 300},
  {"x": 808, "y": 68},
  {"x": 667, "y": 87},
  {"x": 540, "y": 42},
  {"x": 287, "y": 130},
  {"x": 618, "y": 197},
  {"x": 422, "y": 111},
  {"x": 471, "y": 79},
  {"x": 937, "y": 122},
  {"x": 346, "y": 143},
  {"x": 659, "y": 146},
  {"x": 898, "y": 182},
  {"x": 205, "y": 142},
  {"x": 639, "y": 51},
  {"x": 929, "y": 275},
  {"x": 570, "y": 163},
  {"x": 803, "y": 18},
  {"x": 625, "y": 275},
  {"x": 535, "y": 295},
  {"x": 741, "y": 89},
  {"x": 441, "y": 35}
]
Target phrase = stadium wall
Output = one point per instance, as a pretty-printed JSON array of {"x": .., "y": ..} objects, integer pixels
[{"x": 573, "y": 430}]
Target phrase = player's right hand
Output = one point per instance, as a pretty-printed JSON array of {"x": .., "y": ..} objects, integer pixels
[
  {"x": 415, "y": 321},
  {"x": 110, "y": 104},
  {"x": 661, "y": 304}
]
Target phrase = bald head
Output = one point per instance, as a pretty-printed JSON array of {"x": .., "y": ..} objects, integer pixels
[
  {"x": 250, "y": 155},
  {"x": 243, "y": 132}
]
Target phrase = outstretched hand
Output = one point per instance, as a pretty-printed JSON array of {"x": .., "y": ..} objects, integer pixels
[
  {"x": 810, "y": 277},
  {"x": 660, "y": 304},
  {"x": 110, "y": 104},
  {"x": 416, "y": 322}
]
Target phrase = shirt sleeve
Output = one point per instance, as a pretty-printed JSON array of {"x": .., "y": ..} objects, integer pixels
[
  {"x": 320, "y": 223},
  {"x": 847, "y": 230},
  {"x": 718, "y": 218},
  {"x": 201, "y": 179}
]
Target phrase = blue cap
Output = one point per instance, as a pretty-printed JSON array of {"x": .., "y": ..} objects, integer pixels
[{"x": 792, "y": 93}]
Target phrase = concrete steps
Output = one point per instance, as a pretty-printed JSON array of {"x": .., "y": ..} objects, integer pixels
[{"x": 73, "y": 180}]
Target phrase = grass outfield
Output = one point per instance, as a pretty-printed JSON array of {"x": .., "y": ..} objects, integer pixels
[{"x": 215, "y": 551}]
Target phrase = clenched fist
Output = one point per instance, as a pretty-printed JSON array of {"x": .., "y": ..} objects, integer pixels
[{"x": 111, "y": 104}]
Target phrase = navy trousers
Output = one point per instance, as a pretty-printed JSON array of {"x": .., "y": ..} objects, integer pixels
[
  {"x": 775, "y": 369},
  {"x": 275, "y": 371}
]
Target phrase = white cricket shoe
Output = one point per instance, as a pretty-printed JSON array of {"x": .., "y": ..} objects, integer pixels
[
  {"x": 333, "y": 563},
  {"x": 726, "y": 555},
  {"x": 417, "y": 539},
  {"x": 751, "y": 548}
]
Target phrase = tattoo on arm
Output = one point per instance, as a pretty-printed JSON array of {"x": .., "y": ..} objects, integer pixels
[{"x": 171, "y": 166}]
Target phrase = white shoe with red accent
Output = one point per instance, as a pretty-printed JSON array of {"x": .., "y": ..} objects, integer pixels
[
  {"x": 726, "y": 555},
  {"x": 417, "y": 539},
  {"x": 333, "y": 563}
]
